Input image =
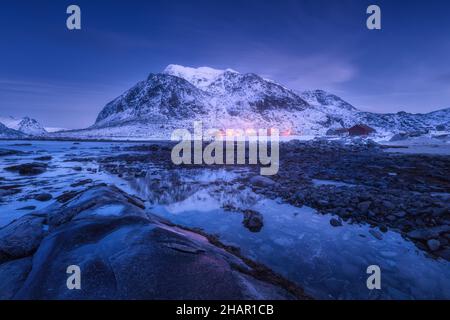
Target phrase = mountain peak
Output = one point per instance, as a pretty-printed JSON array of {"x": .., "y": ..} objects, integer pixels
[
  {"x": 324, "y": 98},
  {"x": 25, "y": 125},
  {"x": 8, "y": 133},
  {"x": 200, "y": 77}
]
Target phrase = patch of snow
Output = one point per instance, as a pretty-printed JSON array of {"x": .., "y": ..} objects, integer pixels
[{"x": 199, "y": 77}]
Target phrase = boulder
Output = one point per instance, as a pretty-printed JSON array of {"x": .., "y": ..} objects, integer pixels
[
  {"x": 399, "y": 137},
  {"x": 335, "y": 222},
  {"x": 364, "y": 206},
  {"x": 253, "y": 220},
  {"x": 43, "y": 158},
  {"x": 428, "y": 233},
  {"x": 43, "y": 197},
  {"x": 261, "y": 181},
  {"x": 124, "y": 252},
  {"x": 8, "y": 152},
  {"x": 21, "y": 237},
  {"x": 433, "y": 244},
  {"x": 12, "y": 276},
  {"x": 28, "y": 169},
  {"x": 81, "y": 183},
  {"x": 376, "y": 234}
]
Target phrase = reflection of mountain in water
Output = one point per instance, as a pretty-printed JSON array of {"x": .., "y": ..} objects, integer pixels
[
  {"x": 200, "y": 191},
  {"x": 202, "y": 188}
]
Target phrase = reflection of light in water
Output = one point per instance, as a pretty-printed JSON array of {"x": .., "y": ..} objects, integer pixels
[{"x": 168, "y": 186}]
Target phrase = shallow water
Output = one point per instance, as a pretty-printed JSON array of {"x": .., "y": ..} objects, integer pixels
[
  {"x": 299, "y": 243},
  {"x": 59, "y": 176}
]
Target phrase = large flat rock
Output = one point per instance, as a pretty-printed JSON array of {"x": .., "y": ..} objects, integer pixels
[{"x": 126, "y": 253}]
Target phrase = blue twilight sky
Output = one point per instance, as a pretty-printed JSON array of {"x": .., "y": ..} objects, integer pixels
[{"x": 63, "y": 78}]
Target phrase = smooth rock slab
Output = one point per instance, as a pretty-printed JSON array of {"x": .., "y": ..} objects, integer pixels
[
  {"x": 12, "y": 276},
  {"x": 130, "y": 254},
  {"x": 21, "y": 237}
]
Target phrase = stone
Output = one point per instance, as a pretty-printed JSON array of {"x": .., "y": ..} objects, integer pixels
[
  {"x": 28, "y": 169},
  {"x": 399, "y": 137},
  {"x": 388, "y": 205},
  {"x": 12, "y": 276},
  {"x": 261, "y": 181},
  {"x": 43, "y": 197},
  {"x": 428, "y": 233},
  {"x": 131, "y": 255},
  {"x": 8, "y": 152},
  {"x": 21, "y": 237},
  {"x": 253, "y": 220},
  {"x": 433, "y": 244},
  {"x": 376, "y": 234},
  {"x": 445, "y": 254},
  {"x": 335, "y": 222},
  {"x": 27, "y": 208},
  {"x": 43, "y": 158},
  {"x": 364, "y": 206},
  {"x": 81, "y": 183},
  {"x": 400, "y": 214}
]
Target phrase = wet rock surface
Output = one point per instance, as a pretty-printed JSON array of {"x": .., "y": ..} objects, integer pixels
[
  {"x": 124, "y": 252},
  {"x": 359, "y": 183},
  {"x": 21, "y": 238},
  {"x": 363, "y": 184},
  {"x": 8, "y": 152},
  {"x": 28, "y": 168},
  {"x": 43, "y": 197},
  {"x": 43, "y": 158},
  {"x": 253, "y": 220}
]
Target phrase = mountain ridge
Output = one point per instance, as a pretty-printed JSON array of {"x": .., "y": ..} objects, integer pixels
[
  {"x": 227, "y": 99},
  {"x": 26, "y": 125}
]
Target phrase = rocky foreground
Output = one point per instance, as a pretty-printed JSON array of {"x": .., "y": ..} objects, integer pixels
[
  {"x": 124, "y": 253},
  {"x": 404, "y": 193},
  {"x": 357, "y": 183}
]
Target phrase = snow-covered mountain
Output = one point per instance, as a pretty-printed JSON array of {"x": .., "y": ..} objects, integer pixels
[
  {"x": 7, "y": 133},
  {"x": 407, "y": 122},
  {"x": 200, "y": 77},
  {"x": 25, "y": 125},
  {"x": 219, "y": 98},
  {"x": 227, "y": 99}
]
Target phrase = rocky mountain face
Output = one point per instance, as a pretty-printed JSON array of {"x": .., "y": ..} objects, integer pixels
[
  {"x": 227, "y": 99},
  {"x": 408, "y": 122},
  {"x": 221, "y": 99},
  {"x": 7, "y": 133},
  {"x": 25, "y": 125}
]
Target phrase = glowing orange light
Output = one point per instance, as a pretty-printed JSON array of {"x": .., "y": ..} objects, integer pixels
[{"x": 230, "y": 132}]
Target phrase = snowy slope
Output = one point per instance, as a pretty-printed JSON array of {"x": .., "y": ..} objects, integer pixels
[
  {"x": 220, "y": 98},
  {"x": 7, "y": 133},
  {"x": 25, "y": 125},
  {"x": 200, "y": 77},
  {"x": 407, "y": 122}
]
